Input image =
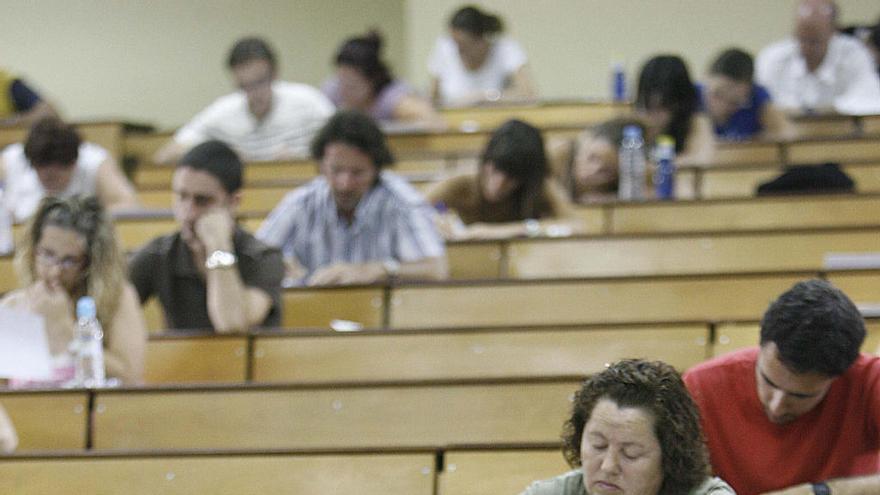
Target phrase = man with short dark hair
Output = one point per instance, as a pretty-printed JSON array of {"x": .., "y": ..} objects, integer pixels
[
  {"x": 211, "y": 273},
  {"x": 801, "y": 413},
  {"x": 357, "y": 223},
  {"x": 54, "y": 161},
  {"x": 266, "y": 119},
  {"x": 820, "y": 70}
]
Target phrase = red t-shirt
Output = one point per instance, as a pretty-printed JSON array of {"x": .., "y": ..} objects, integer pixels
[{"x": 838, "y": 438}]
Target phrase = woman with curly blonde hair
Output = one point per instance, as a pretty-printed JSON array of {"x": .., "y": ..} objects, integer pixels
[{"x": 69, "y": 250}]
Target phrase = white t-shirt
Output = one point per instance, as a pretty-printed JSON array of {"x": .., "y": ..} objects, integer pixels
[
  {"x": 846, "y": 81},
  {"x": 23, "y": 191},
  {"x": 457, "y": 83},
  {"x": 297, "y": 114}
]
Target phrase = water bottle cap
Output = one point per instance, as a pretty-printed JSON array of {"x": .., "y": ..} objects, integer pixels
[
  {"x": 666, "y": 140},
  {"x": 632, "y": 131},
  {"x": 85, "y": 308}
]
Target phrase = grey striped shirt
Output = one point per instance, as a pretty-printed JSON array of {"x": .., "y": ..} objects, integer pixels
[{"x": 391, "y": 222}]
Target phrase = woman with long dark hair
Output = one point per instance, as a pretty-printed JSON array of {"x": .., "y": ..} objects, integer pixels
[
  {"x": 511, "y": 194},
  {"x": 668, "y": 102}
]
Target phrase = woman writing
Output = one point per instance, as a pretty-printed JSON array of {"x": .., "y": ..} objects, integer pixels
[{"x": 68, "y": 251}]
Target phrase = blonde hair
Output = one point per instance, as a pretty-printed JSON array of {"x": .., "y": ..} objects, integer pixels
[{"x": 104, "y": 271}]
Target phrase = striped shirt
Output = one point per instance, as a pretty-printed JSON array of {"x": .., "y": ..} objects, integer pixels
[
  {"x": 297, "y": 114},
  {"x": 391, "y": 222}
]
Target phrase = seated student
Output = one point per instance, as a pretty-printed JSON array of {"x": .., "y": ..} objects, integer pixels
[
  {"x": 512, "y": 188},
  {"x": 634, "y": 430},
  {"x": 53, "y": 161},
  {"x": 588, "y": 165},
  {"x": 801, "y": 412},
  {"x": 19, "y": 104},
  {"x": 667, "y": 100},
  {"x": 356, "y": 223},
  {"x": 739, "y": 108},
  {"x": 873, "y": 43},
  {"x": 475, "y": 63},
  {"x": 265, "y": 119},
  {"x": 211, "y": 273},
  {"x": 8, "y": 437},
  {"x": 69, "y": 250},
  {"x": 818, "y": 70},
  {"x": 363, "y": 82}
]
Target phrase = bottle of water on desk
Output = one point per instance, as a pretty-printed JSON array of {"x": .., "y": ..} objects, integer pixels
[
  {"x": 88, "y": 345},
  {"x": 618, "y": 83},
  {"x": 632, "y": 166},
  {"x": 664, "y": 175}
]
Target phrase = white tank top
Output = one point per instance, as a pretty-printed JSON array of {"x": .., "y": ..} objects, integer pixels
[{"x": 23, "y": 191}]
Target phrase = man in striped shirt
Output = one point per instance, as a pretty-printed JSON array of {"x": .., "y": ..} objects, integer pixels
[
  {"x": 265, "y": 120},
  {"x": 356, "y": 223}
]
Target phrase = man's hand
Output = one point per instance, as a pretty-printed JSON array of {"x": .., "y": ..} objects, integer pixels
[
  {"x": 349, "y": 274},
  {"x": 214, "y": 230}
]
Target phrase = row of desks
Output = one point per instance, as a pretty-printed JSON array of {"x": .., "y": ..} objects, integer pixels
[
  {"x": 396, "y": 400},
  {"x": 124, "y": 139},
  {"x": 483, "y": 470},
  {"x": 271, "y": 356},
  {"x": 455, "y": 144}
]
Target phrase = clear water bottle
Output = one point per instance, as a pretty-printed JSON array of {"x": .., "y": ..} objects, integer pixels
[
  {"x": 618, "y": 83},
  {"x": 7, "y": 244},
  {"x": 664, "y": 174},
  {"x": 88, "y": 345},
  {"x": 632, "y": 165}
]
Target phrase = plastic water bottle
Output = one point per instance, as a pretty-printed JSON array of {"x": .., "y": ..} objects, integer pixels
[
  {"x": 618, "y": 83},
  {"x": 7, "y": 244},
  {"x": 88, "y": 345},
  {"x": 631, "y": 158},
  {"x": 664, "y": 175}
]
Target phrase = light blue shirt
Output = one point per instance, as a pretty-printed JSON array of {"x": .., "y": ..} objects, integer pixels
[{"x": 391, "y": 222}]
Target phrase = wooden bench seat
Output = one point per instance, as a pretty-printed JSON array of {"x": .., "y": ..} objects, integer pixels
[
  {"x": 590, "y": 301},
  {"x": 728, "y": 252},
  {"x": 498, "y": 471},
  {"x": 332, "y": 415},
  {"x": 471, "y": 353},
  {"x": 219, "y": 474},
  {"x": 198, "y": 358},
  {"x": 769, "y": 213},
  {"x": 48, "y": 420}
]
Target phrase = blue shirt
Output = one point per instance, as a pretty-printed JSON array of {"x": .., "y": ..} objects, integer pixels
[
  {"x": 745, "y": 123},
  {"x": 391, "y": 222}
]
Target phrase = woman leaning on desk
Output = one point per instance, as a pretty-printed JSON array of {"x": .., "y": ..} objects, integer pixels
[
  {"x": 511, "y": 195},
  {"x": 69, "y": 250}
]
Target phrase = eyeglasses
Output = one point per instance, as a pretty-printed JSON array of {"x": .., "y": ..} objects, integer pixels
[{"x": 67, "y": 263}]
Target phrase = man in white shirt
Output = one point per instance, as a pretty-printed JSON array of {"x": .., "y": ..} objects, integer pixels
[
  {"x": 819, "y": 70},
  {"x": 265, "y": 119}
]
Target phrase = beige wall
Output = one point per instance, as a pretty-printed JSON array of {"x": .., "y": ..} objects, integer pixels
[
  {"x": 572, "y": 43},
  {"x": 160, "y": 61}
]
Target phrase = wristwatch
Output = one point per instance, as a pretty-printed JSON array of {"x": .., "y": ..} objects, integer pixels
[
  {"x": 220, "y": 259},
  {"x": 392, "y": 268},
  {"x": 821, "y": 488}
]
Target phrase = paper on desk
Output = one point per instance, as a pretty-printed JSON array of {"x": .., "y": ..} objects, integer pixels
[{"x": 24, "y": 348}]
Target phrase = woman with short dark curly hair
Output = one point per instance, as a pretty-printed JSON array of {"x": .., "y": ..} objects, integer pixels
[{"x": 634, "y": 430}]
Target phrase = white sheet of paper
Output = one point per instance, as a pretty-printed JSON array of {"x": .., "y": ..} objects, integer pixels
[{"x": 24, "y": 348}]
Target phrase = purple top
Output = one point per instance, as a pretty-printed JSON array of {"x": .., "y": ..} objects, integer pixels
[{"x": 383, "y": 105}]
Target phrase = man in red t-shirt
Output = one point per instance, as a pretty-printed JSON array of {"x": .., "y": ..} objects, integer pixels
[{"x": 801, "y": 413}]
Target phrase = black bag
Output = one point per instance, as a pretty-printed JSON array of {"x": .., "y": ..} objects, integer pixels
[{"x": 809, "y": 179}]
